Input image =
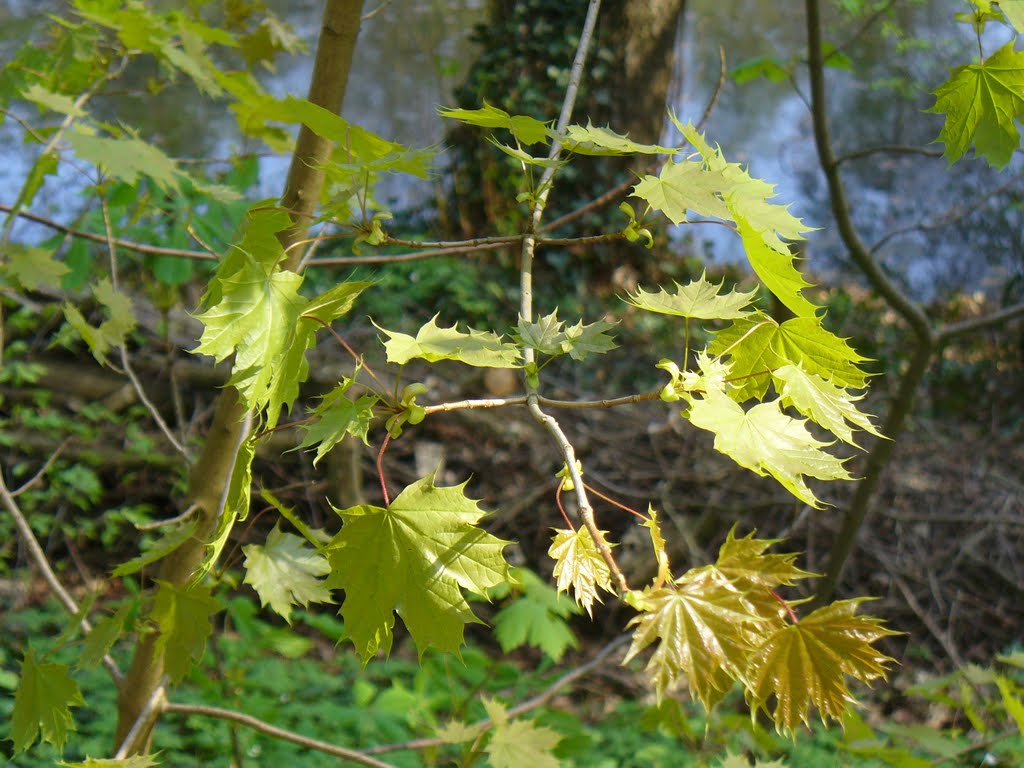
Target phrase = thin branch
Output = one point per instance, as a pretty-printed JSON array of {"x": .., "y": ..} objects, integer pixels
[
  {"x": 128, "y": 245},
  {"x": 442, "y": 244},
  {"x": 899, "y": 149},
  {"x": 144, "y": 722},
  {"x": 399, "y": 258},
  {"x": 529, "y": 705},
  {"x": 191, "y": 510},
  {"x": 38, "y": 556},
  {"x": 278, "y": 733},
  {"x": 943, "y": 637},
  {"x": 499, "y": 402},
  {"x": 977, "y": 323},
  {"x": 717, "y": 93},
  {"x": 42, "y": 470}
]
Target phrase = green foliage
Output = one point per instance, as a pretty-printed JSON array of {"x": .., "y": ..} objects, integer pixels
[
  {"x": 537, "y": 617},
  {"x": 183, "y": 615},
  {"x": 42, "y": 704},
  {"x": 284, "y": 573}
]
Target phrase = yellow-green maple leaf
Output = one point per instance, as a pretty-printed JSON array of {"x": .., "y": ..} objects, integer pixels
[
  {"x": 42, "y": 703},
  {"x": 284, "y": 572},
  {"x": 519, "y": 743},
  {"x": 981, "y": 103},
  {"x": 580, "y": 566},
  {"x": 806, "y": 664},
  {"x": 822, "y": 401},
  {"x": 768, "y": 442},
  {"x": 699, "y": 299},
  {"x": 414, "y": 557}
]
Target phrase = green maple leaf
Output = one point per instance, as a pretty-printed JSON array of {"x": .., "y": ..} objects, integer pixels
[
  {"x": 702, "y": 628},
  {"x": 113, "y": 331},
  {"x": 1014, "y": 12},
  {"x": 593, "y": 140},
  {"x": 768, "y": 442},
  {"x": 537, "y": 617},
  {"x": 335, "y": 416},
  {"x": 658, "y": 542},
  {"x": 135, "y": 761},
  {"x": 102, "y": 636},
  {"x": 743, "y": 561},
  {"x": 518, "y": 743},
  {"x": 457, "y": 732},
  {"x": 182, "y": 614},
  {"x": 699, "y": 299},
  {"x": 34, "y": 267},
  {"x": 57, "y": 102},
  {"x": 822, "y": 401},
  {"x": 807, "y": 663},
  {"x": 546, "y": 335},
  {"x": 526, "y": 129},
  {"x": 125, "y": 159},
  {"x": 284, "y": 573},
  {"x": 684, "y": 186},
  {"x": 981, "y": 103},
  {"x": 169, "y": 542},
  {"x": 550, "y": 336},
  {"x": 482, "y": 349},
  {"x": 413, "y": 558},
  {"x": 579, "y": 565},
  {"x": 756, "y": 344},
  {"x": 42, "y": 703},
  {"x": 777, "y": 270}
]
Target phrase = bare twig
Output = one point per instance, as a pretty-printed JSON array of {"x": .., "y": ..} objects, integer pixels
[
  {"x": 191, "y": 510},
  {"x": 499, "y": 402},
  {"x": 43, "y": 564},
  {"x": 42, "y": 470},
  {"x": 897, "y": 149},
  {"x": 278, "y": 733},
  {"x": 978, "y": 323},
  {"x": 943, "y": 637}
]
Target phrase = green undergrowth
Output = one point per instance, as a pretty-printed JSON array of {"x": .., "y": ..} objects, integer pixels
[{"x": 302, "y": 681}]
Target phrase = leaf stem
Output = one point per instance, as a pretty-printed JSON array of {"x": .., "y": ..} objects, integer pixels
[
  {"x": 789, "y": 609},
  {"x": 613, "y": 502},
  {"x": 380, "y": 469},
  {"x": 558, "y": 501}
]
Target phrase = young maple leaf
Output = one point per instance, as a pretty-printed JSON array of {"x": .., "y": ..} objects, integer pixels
[
  {"x": 518, "y": 743},
  {"x": 579, "y": 565},
  {"x": 806, "y": 664},
  {"x": 699, "y": 299},
  {"x": 981, "y": 103},
  {"x": 134, "y": 761},
  {"x": 183, "y": 615},
  {"x": 42, "y": 703},
  {"x": 768, "y": 442},
  {"x": 821, "y": 400},
  {"x": 414, "y": 558},
  {"x": 745, "y": 563},
  {"x": 703, "y": 628},
  {"x": 284, "y": 572}
]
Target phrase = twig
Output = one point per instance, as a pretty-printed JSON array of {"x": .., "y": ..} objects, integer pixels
[
  {"x": 977, "y": 323},
  {"x": 262, "y": 726},
  {"x": 192, "y": 509},
  {"x": 522, "y": 708},
  {"x": 42, "y": 470},
  {"x": 717, "y": 93},
  {"x": 148, "y": 715},
  {"x": 900, "y": 149},
  {"x": 943, "y": 637},
  {"x": 39, "y": 558},
  {"x": 128, "y": 245}
]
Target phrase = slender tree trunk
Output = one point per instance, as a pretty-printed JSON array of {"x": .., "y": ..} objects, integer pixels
[{"x": 212, "y": 472}]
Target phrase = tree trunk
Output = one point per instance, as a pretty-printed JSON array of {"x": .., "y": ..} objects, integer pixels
[{"x": 212, "y": 472}]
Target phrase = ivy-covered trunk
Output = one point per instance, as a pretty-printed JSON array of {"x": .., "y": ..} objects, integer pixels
[{"x": 212, "y": 473}]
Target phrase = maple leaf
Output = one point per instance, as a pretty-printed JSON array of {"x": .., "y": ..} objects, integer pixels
[
  {"x": 125, "y": 158},
  {"x": 768, "y": 442},
  {"x": 684, "y": 186},
  {"x": 537, "y": 617},
  {"x": 699, "y": 299},
  {"x": 284, "y": 573},
  {"x": 583, "y": 340},
  {"x": 658, "y": 542},
  {"x": 807, "y": 663},
  {"x": 113, "y": 331},
  {"x": 518, "y": 743},
  {"x": 702, "y": 627},
  {"x": 549, "y": 336},
  {"x": 528, "y": 130},
  {"x": 776, "y": 268},
  {"x": 756, "y": 344},
  {"x": 183, "y": 615},
  {"x": 482, "y": 349},
  {"x": 981, "y": 103},
  {"x": 34, "y": 267},
  {"x": 169, "y": 542},
  {"x": 821, "y": 400},
  {"x": 335, "y": 416},
  {"x": 414, "y": 558},
  {"x": 135, "y": 761},
  {"x": 579, "y": 565},
  {"x": 743, "y": 561},
  {"x": 102, "y": 637},
  {"x": 593, "y": 140},
  {"x": 42, "y": 703}
]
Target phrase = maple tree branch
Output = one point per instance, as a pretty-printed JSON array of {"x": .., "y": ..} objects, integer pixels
[
  {"x": 38, "y": 556},
  {"x": 363, "y": 758},
  {"x": 128, "y": 245},
  {"x": 499, "y": 402},
  {"x": 536, "y": 702},
  {"x": 978, "y": 323},
  {"x": 145, "y": 721},
  {"x": 42, "y": 470},
  {"x": 900, "y": 149}
]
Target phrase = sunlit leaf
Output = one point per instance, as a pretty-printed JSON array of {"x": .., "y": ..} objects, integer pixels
[
  {"x": 593, "y": 140},
  {"x": 822, "y": 401},
  {"x": 684, "y": 186},
  {"x": 135, "y": 761},
  {"x": 34, "y": 267},
  {"x": 699, "y": 299},
  {"x": 537, "y": 617},
  {"x": 483, "y": 349},
  {"x": 284, "y": 573},
  {"x": 527, "y": 130},
  {"x": 519, "y": 743},
  {"x": 579, "y": 565}
]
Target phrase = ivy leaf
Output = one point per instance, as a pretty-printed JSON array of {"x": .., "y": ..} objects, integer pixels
[
  {"x": 756, "y": 344},
  {"x": 34, "y": 267},
  {"x": 822, "y": 401},
  {"x": 768, "y": 442},
  {"x": 526, "y": 129},
  {"x": 702, "y": 626},
  {"x": 806, "y": 664},
  {"x": 413, "y": 558},
  {"x": 579, "y": 565},
  {"x": 699, "y": 299},
  {"x": 684, "y": 186},
  {"x": 135, "y": 761},
  {"x": 284, "y": 573},
  {"x": 537, "y": 617},
  {"x": 604, "y": 141},
  {"x": 335, "y": 416},
  {"x": 981, "y": 103},
  {"x": 517, "y": 743},
  {"x": 42, "y": 703},
  {"x": 482, "y": 349},
  {"x": 183, "y": 615}
]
